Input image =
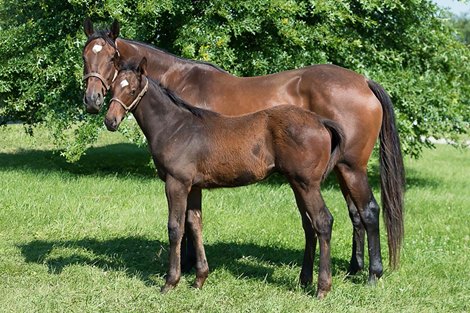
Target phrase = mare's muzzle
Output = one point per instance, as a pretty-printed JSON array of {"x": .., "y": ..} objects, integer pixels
[{"x": 93, "y": 102}]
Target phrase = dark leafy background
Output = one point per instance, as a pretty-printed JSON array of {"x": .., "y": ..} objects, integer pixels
[{"x": 410, "y": 47}]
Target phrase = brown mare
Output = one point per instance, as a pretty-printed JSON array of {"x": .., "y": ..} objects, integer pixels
[
  {"x": 193, "y": 148},
  {"x": 361, "y": 106}
]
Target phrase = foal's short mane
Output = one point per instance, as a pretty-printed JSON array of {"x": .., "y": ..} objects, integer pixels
[
  {"x": 199, "y": 112},
  {"x": 170, "y": 94}
]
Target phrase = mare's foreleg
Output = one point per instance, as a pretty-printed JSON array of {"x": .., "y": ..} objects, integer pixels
[
  {"x": 177, "y": 194},
  {"x": 306, "y": 274}
]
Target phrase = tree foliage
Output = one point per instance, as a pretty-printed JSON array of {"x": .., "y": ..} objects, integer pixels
[
  {"x": 462, "y": 25},
  {"x": 406, "y": 45}
]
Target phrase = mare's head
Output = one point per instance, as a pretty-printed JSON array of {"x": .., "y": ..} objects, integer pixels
[
  {"x": 98, "y": 65},
  {"x": 128, "y": 88}
]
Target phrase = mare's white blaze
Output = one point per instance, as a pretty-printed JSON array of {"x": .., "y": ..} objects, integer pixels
[
  {"x": 97, "y": 48},
  {"x": 124, "y": 83}
]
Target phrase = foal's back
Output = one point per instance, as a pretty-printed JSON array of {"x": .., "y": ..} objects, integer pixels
[{"x": 246, "y": 149}]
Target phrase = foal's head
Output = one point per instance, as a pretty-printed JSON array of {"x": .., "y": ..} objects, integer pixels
[
  {"x": 128, "y": 88},
  {"x": 98, "y": 65}
]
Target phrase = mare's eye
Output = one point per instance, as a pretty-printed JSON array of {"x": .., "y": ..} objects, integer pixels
[{"x": 132, "y": 92}]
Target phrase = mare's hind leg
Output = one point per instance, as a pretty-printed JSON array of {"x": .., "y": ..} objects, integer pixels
[
  {"x": 320, "y": 221},
  {"x": 188, "y": 252},
  {"x": 194, "y": 225},
  {"x": 356, "y": 263},
  {"x": 306, "y": 274},
  {"x": 356, "y": 183}
]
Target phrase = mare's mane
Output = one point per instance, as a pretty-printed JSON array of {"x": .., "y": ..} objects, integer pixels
[
  {"x": 177, "y": 57},
  {"x": 104, "y": 34}
]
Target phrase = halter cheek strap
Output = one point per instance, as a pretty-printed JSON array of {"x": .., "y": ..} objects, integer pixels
[
  {"x": 101, "y": 78},
  {"x": 136, "y": 100}
]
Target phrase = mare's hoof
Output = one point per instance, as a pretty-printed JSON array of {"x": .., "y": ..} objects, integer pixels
[
  {"x": 372, "y": 280},
  {"x": 306, "y": 280},
  {"x": 353, "y": 270}
]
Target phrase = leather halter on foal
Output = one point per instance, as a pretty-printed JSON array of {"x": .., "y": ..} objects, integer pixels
[{"x": 136, "y": 100}]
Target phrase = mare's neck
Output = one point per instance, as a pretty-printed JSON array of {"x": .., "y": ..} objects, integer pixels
[{"x": 159, "y": 61}]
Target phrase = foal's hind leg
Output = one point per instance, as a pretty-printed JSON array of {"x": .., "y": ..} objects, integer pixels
[
  {"x": 320, "y": 220},
  {"x": 356, "y": 183}
]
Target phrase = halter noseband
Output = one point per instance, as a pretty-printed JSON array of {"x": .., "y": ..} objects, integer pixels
[
  {"x": 136, "y": 100},
  {"x": 101, "y": 78}
]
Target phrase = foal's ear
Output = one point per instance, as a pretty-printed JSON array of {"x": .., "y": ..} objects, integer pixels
[
  {"x": 114, "y": 31},
  {"x": 88, "y": 27},
  {"x": 143, "y": 66}
]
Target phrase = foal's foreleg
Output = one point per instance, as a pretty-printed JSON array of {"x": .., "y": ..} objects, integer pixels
[
  {"x": 188, "y": 252},
  {"x": 176, "y": 193},
  {"x": 194, "y": 226}
]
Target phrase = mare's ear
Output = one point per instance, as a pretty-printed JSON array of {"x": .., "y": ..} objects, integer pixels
[
  {"x": 88, "y": 27},
  {"x": 117, "y": 60},
  {"x": 143, "y": 66},
  {"x": 114, "y": 31}
]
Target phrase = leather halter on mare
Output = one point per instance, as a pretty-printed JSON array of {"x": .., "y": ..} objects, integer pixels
[
  {"x": 100, "y": 77},
  {"x": 136, "y": 100}
]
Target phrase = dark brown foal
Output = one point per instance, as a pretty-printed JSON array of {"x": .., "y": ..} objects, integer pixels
[{"x": 193, "y": 149}]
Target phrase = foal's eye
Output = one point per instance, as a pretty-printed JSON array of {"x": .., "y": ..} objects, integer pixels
[{"x": 132, "y": 92}]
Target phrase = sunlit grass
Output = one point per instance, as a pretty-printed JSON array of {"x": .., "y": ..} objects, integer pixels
[{"x": 91, "y": 237}]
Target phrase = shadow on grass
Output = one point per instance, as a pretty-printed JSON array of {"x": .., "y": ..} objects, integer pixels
[
  {"x": 144, "y": 258},
  {"x": 130, "y": 161},
  {"x": 122, "y": 159}
]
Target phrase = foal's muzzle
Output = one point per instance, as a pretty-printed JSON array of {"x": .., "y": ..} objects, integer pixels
[{"x": 112, "y": 124}]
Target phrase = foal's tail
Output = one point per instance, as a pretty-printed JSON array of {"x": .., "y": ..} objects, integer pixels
[
  {"x": 337, "y": 144},
  {"x": 392, "y": 175}
]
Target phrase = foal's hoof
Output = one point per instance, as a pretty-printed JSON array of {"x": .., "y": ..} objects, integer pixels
[
  {"x": 321, "y": 294},
  {"x": 166, "y": 288},
  {"x": 199, "y": 282}
]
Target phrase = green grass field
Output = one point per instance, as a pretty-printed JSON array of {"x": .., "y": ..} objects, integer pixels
[{"x": 91, "y": 237}]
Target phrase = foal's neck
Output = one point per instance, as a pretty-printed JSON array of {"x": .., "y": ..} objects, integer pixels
[{"x": 160, "y": 118}]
